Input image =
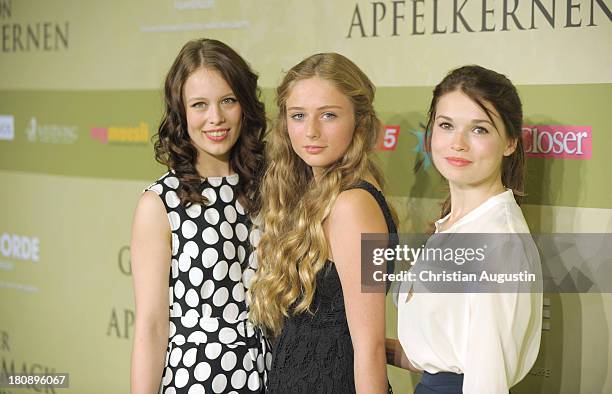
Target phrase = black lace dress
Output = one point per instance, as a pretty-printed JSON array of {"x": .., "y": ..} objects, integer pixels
[{"x": 314, "y": 353}]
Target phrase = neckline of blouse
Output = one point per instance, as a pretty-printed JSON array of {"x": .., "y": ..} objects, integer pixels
[{"x": 476, "y": 212}]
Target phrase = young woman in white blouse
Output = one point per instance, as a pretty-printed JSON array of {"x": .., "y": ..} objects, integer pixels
[{"x": 473, "y": 343}]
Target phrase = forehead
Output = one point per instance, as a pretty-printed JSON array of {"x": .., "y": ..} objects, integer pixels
[
  {"x": 316, "y": 92},
  {"x": 206, "y": 82},
  {"x": 458, "y": 105}
]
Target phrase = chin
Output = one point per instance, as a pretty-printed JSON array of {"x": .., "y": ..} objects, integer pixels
[
  {"x": 218, "y": 153},
  {"x": 318, "y": 163}
]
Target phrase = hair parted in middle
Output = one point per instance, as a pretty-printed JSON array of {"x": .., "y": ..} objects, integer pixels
[{"x": 293, "y": 247}]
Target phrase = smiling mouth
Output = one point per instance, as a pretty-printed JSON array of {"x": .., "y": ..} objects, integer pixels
[{"x": 217, "y": 134}]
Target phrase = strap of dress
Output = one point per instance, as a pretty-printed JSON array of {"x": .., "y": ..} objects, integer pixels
[
  {"x": 391, "y": 227},
  {"x": 382, "y": 203}
]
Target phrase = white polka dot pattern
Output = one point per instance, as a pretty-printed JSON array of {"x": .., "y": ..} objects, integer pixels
[
  {"x": 202, "y": 371},
  {"x": 226, "y": 193},
  {"x": 210, "y": 273},
  {"x": 172, "y": 199},
  {"x": 215, "y": 181},
  {"x": 194, "y": 211},
  {"x": 189, "y": 229},
  {"x": 212, "y": 216},
  {"x": 210, "y": 236},
  {"x": 171, "y": 182},
  {"x": 210, "y": 195},
  {"x": 226, "y": 230},
  {"x": 230, "y": 213}
]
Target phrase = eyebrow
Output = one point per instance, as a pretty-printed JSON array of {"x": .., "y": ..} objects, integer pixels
[
  {"x": 204, "y": 98},
  {"x": 318, "y": 109},
  {"x": 473, "y": 120}
]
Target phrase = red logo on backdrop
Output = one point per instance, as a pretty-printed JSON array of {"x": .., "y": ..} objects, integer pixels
[
  {"x": 121, "y": 134},
  {"x": 389, "y": 137},
  {"x": 559, "y": 142},
  {"x": 100, "y": 134}
]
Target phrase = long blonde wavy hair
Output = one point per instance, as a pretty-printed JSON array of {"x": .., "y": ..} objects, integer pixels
[{"x": 293, "y": 247}]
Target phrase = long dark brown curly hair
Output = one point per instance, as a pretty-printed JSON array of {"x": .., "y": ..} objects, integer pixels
[{"x": 173, "y": 147}]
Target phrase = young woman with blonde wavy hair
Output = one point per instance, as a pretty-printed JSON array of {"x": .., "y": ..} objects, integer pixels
[{"x": 320, "y": 192}]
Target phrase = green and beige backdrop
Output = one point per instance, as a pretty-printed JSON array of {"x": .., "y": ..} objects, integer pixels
[{"x": 80, "y": 98}]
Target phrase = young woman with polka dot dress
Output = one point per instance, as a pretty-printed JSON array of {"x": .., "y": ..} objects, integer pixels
[{"x": 192, "y": 239}]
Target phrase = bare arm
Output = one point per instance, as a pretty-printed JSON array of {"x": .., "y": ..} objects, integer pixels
[
  {"x": 356, "y": 212},
  {"x": 396, "y": 355},
  {"x": 151, "y": 253}
]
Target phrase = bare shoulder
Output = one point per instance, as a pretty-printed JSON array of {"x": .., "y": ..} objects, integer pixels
[
  {"x": 150, "y": 210},
  {"x": 151, "y": 232},
  {"x": 150, "y": 201},
  {"x": 355, "y": 202},
  {"x": 358, "y": 210}
]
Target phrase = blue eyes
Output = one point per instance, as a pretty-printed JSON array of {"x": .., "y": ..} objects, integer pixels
[{"x": 325, "y": 116}]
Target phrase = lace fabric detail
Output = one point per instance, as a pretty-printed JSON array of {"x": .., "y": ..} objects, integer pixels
[{"x": 314, "y": 352}]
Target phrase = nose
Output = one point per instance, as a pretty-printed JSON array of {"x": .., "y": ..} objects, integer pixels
[
  {"x": 215, "y": 115},
  {"x": 459, "y": 141},
  {"x": 312, "y": 129}
]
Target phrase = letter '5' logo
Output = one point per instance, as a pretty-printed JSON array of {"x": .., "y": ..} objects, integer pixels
[{"x": 388, "y": 138}]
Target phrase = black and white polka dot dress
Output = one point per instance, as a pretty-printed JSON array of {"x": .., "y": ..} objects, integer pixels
[{"x": 212, "y": 346}]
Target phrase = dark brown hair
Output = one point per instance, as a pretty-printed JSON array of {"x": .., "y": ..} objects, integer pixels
[
  {"x": 172, "y": 144},
  {"x": 487, "y": 86}
]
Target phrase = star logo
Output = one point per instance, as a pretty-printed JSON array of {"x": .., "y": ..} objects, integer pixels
[{"x": 420, "y": 149}]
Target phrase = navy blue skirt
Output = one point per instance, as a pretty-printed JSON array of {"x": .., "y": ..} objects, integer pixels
[{"x": 440, "y": 383}]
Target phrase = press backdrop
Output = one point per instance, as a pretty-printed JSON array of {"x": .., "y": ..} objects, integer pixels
[{"x": 80, "y": 98}]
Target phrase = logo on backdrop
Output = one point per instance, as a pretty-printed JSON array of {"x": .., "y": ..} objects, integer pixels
[
  {"x": 20, "y": 247},
  {"x": 420, "y": 17},
  {"x": 421, "y": 148},
  {"x": 36, "y": 36},
  {"x": 4, "y": 342},
  {"x": 51, "y": 133},
  {"x": 121, "y": 134},
  {"x": 388, "y": 139},
  {"x": 120, "y": 323},
  {"x": 121, "y": 319},
  {"x": 189, "y": 6},
  {"x": 194, "y": 5},
  {"x": 124, "y": 261},
  {"x": 559, "y": 142},
  {"x": 7, "y": 127}
]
